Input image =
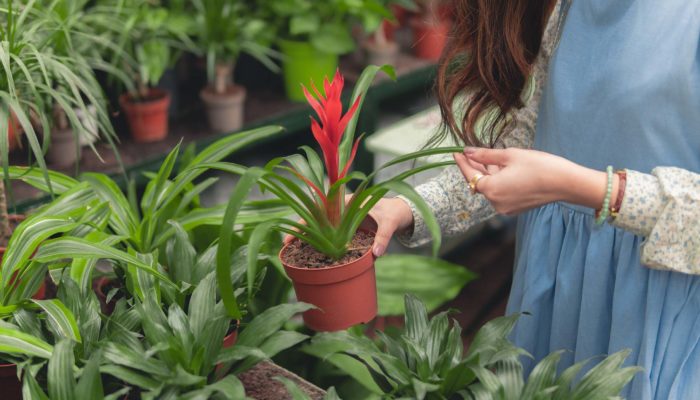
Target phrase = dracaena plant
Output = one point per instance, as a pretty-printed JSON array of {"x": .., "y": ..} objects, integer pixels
[
  {"x": 426, "y": 361},
  {"x": 316, "y": 189}
]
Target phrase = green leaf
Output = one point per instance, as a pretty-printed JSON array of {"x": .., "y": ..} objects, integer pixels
[
  {"x": 13, "y": 341},
  {"x": 303, "y": 23},
  {"x": 268, "y": 322},
  {"x": 292, "y": 388},
  {"x": 360, "y": 90},
  {"x": 281, "y": 340},
  {"x": 333, "y": 38},
  {"x": 416, "y": 318},
  {"x": 90, "y": 382},
  {"x": 60, "y": 318},
  {"x": 181, "y": 255},
  {"x": 432, "y": 280},
  {"x": 68, "y": 247},
  {"x": 31, "y": 390},
  {"x": 130, "y": 376},
  {"x": 202, "y": 304},
  {"x": 60, "y": 371}
]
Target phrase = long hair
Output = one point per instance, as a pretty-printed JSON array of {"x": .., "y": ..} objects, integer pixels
[{"x": 486, "y": 64}]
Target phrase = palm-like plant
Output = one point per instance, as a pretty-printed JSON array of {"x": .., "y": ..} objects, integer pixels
[
  {"x": 34, "y": 81},
  {"x": 426, "y": 361}
]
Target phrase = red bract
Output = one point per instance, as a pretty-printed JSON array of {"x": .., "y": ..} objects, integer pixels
[{"x": 329, "y": 132}]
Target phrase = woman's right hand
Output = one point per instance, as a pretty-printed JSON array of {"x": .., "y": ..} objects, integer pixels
[{"x": 392, "y": 215}]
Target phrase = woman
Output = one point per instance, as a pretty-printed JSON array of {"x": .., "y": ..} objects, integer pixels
[{"x": 617, "y": 83}]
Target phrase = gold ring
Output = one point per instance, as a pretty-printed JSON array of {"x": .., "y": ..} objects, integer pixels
[{"x": 475, "y": 181}]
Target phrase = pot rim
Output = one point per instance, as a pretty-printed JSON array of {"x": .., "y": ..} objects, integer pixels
[
  {"x": 159, "y": 94},
  {"x": 334, "y": 267}
]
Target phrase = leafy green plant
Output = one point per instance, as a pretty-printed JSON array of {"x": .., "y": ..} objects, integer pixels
[
  {"x": 36, "y": 80},
  {"x": 426, "y": 361},
  {"x": 150, "y": 38},
  {"x": 326, "y": 25},
  {"x": 141, "y": 228},
  {"x": 224, "y": 30},
  {"x": 330, "y": 223},
  {"x": 181, "y": 351}
]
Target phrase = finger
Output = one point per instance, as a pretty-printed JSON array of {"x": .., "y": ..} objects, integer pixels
[
  {"x": 467, "y": 170},
  {"x": 381, "y": 239},
  {"x": 492, "y": 169},
  {"x": 488, "y": 156},
  {"x": 484, "y": 169}
]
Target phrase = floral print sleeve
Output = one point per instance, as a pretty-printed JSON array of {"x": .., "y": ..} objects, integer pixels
[
  {"x": 448, "y": 196},
  {"x": 664, "y": 207}
]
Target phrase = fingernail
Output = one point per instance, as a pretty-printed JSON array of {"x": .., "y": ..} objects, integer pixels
[
  {"x": 378, "y": 250},
  {"x": 469, "y": 150}
]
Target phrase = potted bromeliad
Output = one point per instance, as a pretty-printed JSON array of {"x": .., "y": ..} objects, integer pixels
[
  {"x": 225, "y": 29},
  {"x": 330, "y": 260},
  {"x": 149, "y": 43}
]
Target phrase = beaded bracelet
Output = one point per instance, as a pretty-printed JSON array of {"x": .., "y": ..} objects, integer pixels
[{"x": 605, "y": 209}]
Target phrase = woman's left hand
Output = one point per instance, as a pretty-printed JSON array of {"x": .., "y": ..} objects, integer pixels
[{"x": 516, "y": 180}]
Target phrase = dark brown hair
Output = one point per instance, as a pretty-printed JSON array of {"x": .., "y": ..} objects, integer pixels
[{"x": 488, "y": 57}]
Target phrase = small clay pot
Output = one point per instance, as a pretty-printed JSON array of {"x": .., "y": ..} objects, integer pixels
[
  {"x": 224, "y": 110},
  {"x": 63, "y": 151},
  {"x": 430, "y": 37},
  {"x": 380, "y": 54},
  {"x": 346, "y": 295},
  {"x": 9, "y": 383},
  {"x": 147, "y": 118}
]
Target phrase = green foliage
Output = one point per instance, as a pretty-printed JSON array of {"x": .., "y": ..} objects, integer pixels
[
  {"x": 426, "y": 361},
  {"x": 326, "y": 25},
  {"x": 432, "y": 280},
  {"x": 149, "y": 39},
  {"x": 44, "y": 73},
  {"x": 226, "y": 28}
]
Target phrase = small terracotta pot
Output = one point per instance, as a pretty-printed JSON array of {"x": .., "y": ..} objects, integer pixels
[
  {"x": 63, "y": 151},
  {"x": 148, "y": 119},
  {"x": 346, "y": 295},
  {"x": 429, "y": 37},
  {"x": 98, "y": 286},
  {"x": 224, "y": 110},
  {"x": 232, "y": 337},
  {"x": 13, "y": 132},
  {"x": 10, "y": 385}
]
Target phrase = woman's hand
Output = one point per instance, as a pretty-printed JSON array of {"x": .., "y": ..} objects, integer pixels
[
  {"x": 517, "y": 180},
  {"x": 391, "y": 215}
]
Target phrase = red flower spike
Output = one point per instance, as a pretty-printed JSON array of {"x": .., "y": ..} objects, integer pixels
[{"x": 328, "y": 130}]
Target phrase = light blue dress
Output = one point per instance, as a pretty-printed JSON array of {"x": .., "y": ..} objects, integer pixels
[{"x": 623, "y": 89}]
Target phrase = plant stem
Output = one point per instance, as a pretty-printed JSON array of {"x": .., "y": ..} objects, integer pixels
[{"x": 222, "y": 77}]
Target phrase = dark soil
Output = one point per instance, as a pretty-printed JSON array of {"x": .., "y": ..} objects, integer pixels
[
  {"x": 259, "y": 383},
  {"x": 302, "y": 255}
]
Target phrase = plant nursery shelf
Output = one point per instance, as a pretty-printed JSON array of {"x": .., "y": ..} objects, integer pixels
[{"x": 263, "y": 107}]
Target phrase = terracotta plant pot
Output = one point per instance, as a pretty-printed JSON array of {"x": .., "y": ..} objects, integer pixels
[
  {"x": 224, "y": 110},
  {"x": 346, "y": 295},
  {"x": 429, "y": 37},
  {"x": 63, "y": 151},
  {"x": 10, "y": 385},
  {"x": 147, "y": 118},
  {"x": 230, "y": 340},
  {"x": 99, "y": 285},
  {"x": 13, "y": 132}
]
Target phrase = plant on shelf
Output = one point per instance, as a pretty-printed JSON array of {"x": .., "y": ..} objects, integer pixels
[
  {"x": 431, "y": 27},
  {"x": 313, "y": 34},
  {"x": 426, "y": 361},
  {"x": 150, "y": 39},
  {"x": 35, "y": 82},
  {"x": 73, "y": 33},
  {"x": 381, "y": 49},
  {"x": 330, "y": 261},
  {"x": 224, "y": 30}
]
